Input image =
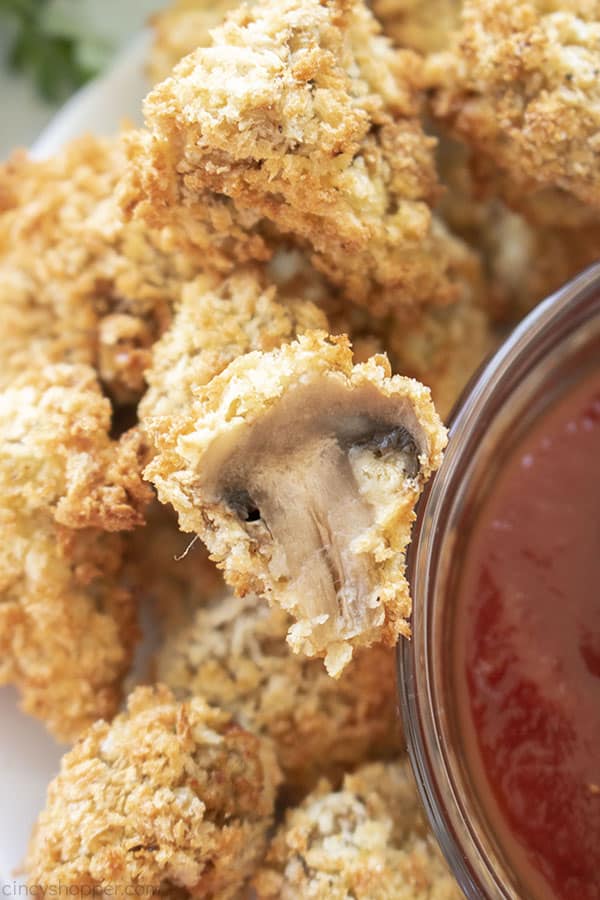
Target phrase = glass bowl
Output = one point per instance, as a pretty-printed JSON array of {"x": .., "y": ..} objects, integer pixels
[{"x": 552, "y": 347}]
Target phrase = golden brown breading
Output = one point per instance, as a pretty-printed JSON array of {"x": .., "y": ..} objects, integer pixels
[
  {"x": 423, "y": 25},
  {"x": 67, "y": 627},
  {"x": 218, "y": 320},
  {"x": 76, "y": 284},
  {"x": 368, "y": 841},
  {"x": 519, "y": 86},
  {"x": 180, "y": 28},
  {"x": 233, "y": 652},
  {"x": 300, "y": 472},
  {"x": 171, "y": 795},
  {"x": 306, "y": 118}
]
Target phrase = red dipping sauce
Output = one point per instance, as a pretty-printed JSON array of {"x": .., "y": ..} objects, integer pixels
[{"x": 527, "y": 651}]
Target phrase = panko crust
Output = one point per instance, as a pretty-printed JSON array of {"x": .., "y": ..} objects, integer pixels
[
  {"x": 422, "y": 25},
  {"x": 78, "y": 285},
  {"x": 170, "y": 795},
  {"x": 233, "y": 652},
  {"x": 219, "y": 319},
  {"x": 228, "y": 410},
  {"x": 369, "y": 841},
  {"x": 519, "y": 85},
  {"x": 67, "y": 625},
  {"x": 305, "y": 118}
]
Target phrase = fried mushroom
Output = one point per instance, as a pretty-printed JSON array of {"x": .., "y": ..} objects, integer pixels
[
  {"x": 233, "y": 652},
  {"x": 67, "y": 623},
  {"x": 518, "y": 84},
  {"x": 368, "y": 840},
  {"x": 304, "y": 121},
  {"x": 77, "y": 283},
  {"x": 170, "y": 796},
  {"x": 300, "y": 472}
]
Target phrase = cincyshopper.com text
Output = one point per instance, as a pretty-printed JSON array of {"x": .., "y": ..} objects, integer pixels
[{"x": 15, "y": 889}]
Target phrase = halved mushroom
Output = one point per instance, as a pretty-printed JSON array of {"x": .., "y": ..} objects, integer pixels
[{"x": 300, "y": 471}]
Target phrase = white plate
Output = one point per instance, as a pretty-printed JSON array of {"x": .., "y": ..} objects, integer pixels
[{"x": 28, "y": 756}]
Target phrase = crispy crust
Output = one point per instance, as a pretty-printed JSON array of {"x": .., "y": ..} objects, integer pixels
[
  {"x": 368, "y": 841},
  {"x": 171, "y": 795},
  {"x": 77, "y": 284},
  {"x": 231, "y": 404},
  {"x": 306, "y": 118},
  {"x": 67, "y": 626},
  {"x": 519, "y": 86},
  {"x": 233, "y": 652},
  {"x": 218, "y": 320}
]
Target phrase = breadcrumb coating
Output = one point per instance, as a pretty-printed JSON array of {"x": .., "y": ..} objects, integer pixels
[
  {"x": 180, "y": 28},
  {"x": 300, "y": 472},
  {"x": 170, "y": 795},
  {"x": 368, "y": 841},
  {"x": 519, "y": 85},
  {"x": 67, "y": 625},
  {"x": 233, "y": 652},
  {"x": 77, "y": 284},
  {"x": 422, "y": 25},
  {"x": 218, "y": 320},
  {"x": 307, "y": 119}
]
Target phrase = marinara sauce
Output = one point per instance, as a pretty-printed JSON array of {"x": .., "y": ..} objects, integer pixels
[{"x": 527, "y": 651}]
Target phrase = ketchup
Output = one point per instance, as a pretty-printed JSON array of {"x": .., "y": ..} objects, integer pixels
[{"x": 527, "y": 651}]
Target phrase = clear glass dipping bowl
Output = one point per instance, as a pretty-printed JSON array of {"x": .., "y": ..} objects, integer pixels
[{"x": 553, "y": 346}]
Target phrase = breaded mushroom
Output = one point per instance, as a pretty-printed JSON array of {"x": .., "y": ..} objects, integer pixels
[
  {"x": 300, "y": 472},
  {"x": 423, "y": 25},
  {"x": 171, "y": 796},
  {"x": 368, "y": 841},
  {"x": 305, "y": 119},
  {"x": 519, "y": 85},
  {"x": 67, "y": 624},
  {"x": 233, "y": 653},
  {"x": 77, "y": 284}
]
